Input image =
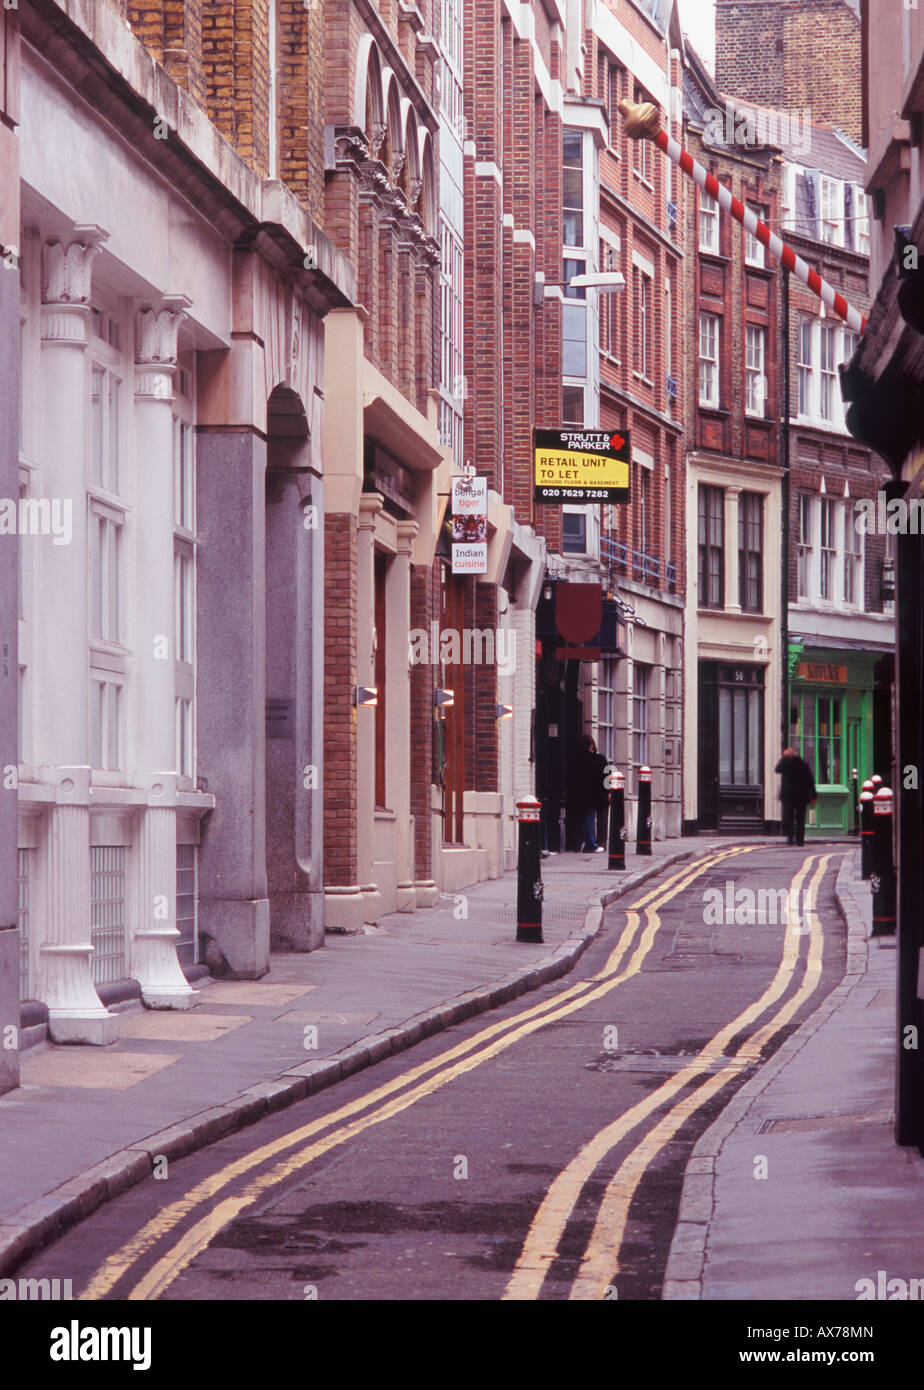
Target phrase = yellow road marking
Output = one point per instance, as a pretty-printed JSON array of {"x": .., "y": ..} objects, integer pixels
[
  {"x": 601, "y": 1257},
  {"x": 118, "y": 1264},
  {"x": 547, "y": 1227}
]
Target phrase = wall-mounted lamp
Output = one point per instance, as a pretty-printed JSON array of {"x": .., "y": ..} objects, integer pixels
[
  {"x": 443, "y": 700},
  {"x": 503, "y": 711},
  {"x": 365, "y": 695},
  {"x": 887, "y": 582},
  {"x": 547, "y": 591},
  {"x": 604, "y": 281}
]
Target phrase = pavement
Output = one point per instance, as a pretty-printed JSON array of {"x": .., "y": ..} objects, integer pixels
[
  {"x": 87, "y": 1123},
  {"x": 798, "y": 1190}
]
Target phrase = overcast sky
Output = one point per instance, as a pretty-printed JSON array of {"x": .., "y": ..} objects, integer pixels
[{"x": 697, "y": 20}]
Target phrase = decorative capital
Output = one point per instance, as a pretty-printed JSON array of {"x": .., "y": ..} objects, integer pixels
[
  {"x": 156, "y": 329},
  {"x": 370, "y": 504},
  {"x": 406, "y": 532},
  {"x": 67, "y": 263}
]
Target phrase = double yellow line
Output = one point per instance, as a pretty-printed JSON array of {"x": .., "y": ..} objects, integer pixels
[
  {"x": 349, "y": 1120},
  {"x": 600, "y": 1261}
]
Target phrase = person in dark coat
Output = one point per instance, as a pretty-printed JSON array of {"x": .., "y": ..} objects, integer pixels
[
  {"x": 590, "y": 789},
  {"x": 797, "y": 791}
]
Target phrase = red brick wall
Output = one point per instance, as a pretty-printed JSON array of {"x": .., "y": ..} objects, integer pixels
[
  {"x": 769, "y": 53},
  {"x": 340, "y": 635},
  {"x": 424, "y": 607}
]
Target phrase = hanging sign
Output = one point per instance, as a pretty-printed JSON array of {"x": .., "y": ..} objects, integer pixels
[
  {"x": 469, "y": 508},
  {"x": 573, "y": 465}
]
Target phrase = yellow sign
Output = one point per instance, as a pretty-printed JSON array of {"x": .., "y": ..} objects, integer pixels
[
  {"x": 578, "y": 465},
  {"x": 564, "y": 468}
]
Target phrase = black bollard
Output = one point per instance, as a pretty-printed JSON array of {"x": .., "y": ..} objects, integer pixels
[
  {"x": 882, "y": 879},
  {"x": 529, "y": 872},
  {"x": 617, "y": 835},
  {"x": 866, "y": 830},
  {"x": 643, "y": 825},
  {"x": 856, "y": 802}
]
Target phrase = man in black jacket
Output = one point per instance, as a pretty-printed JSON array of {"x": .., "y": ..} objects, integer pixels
[
  {"x": 797, "y": 790},
  {"x": 590, "y": 793}
]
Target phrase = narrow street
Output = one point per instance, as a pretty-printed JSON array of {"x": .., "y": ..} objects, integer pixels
[{"x": 536, "y": 1152}]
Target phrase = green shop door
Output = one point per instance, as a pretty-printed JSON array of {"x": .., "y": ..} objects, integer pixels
[{"x": 826, "y": 740}]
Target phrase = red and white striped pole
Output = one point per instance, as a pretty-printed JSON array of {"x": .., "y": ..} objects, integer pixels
[{"x": 643, "y": 122}]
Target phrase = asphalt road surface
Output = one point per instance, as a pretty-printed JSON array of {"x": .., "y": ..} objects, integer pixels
[{"x": 536, "y": 1151}]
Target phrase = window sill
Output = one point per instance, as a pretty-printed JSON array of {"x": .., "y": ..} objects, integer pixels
[
  {"x": 646, "y": 183},
  {"x": 717, "y": 256},
  {"x": 762, "y": 270},
  {"x": 645, "y": 380}
]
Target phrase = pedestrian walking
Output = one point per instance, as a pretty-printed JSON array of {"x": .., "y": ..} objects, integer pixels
[
  {"x": 797, "y": 791},
  {"x": 590, "y": 793}
]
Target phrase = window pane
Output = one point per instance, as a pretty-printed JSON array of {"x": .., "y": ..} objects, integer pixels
[
  {"x": 96, "y": 576},
  {"x": 725, "y": 735},
  {"x": 574, "y": 532},
  {"x": 112, "y": 478},
  {"x": 115, "y": 566},
  {"x": 573, "y": 229},
  {"x": 571, "y": 144},
  {"x": 96, "y": 724},
  {"x": 115, "y": 712},
  {"x": 755, "y": 698},
  {"x": 572, "y": 188},
  {"x": 739, "y": 708},
  {"x": 574, "y": 340},
  {"x": 96, "y": 426}
]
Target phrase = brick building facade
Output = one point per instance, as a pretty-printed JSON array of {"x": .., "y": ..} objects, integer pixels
[
  {"x": 841, "y": 622},
  {"x": 171, "y": 302},
  {"x": 768, "y": 52},
  {"x": 620, "y": 208},
  {"x": 733, "y": 503}
]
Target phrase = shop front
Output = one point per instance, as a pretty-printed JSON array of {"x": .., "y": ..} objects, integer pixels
[{"x": 832, "y": 702}]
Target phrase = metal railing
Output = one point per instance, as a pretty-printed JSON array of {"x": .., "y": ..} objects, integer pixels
[{"x": 107, "y": 913}]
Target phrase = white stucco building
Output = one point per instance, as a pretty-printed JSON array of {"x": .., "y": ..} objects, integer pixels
[{"x": 172, "y": 359}]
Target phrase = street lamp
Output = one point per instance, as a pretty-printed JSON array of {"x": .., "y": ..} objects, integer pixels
[{"x": 603, "y": 281}]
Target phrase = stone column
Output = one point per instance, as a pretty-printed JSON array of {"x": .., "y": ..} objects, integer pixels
[
  {"x": 732, "y": 498},
  {"x": 398, "y": 713},
  {"x": 154, "y": 939},
  {"x": 75, "y": 1011},
  {"x": 154, "y": 933},
  {"x": 231, "y": 688},
  {"x": 370, "y": 504},
  {"x": 62, "y": 669}
]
